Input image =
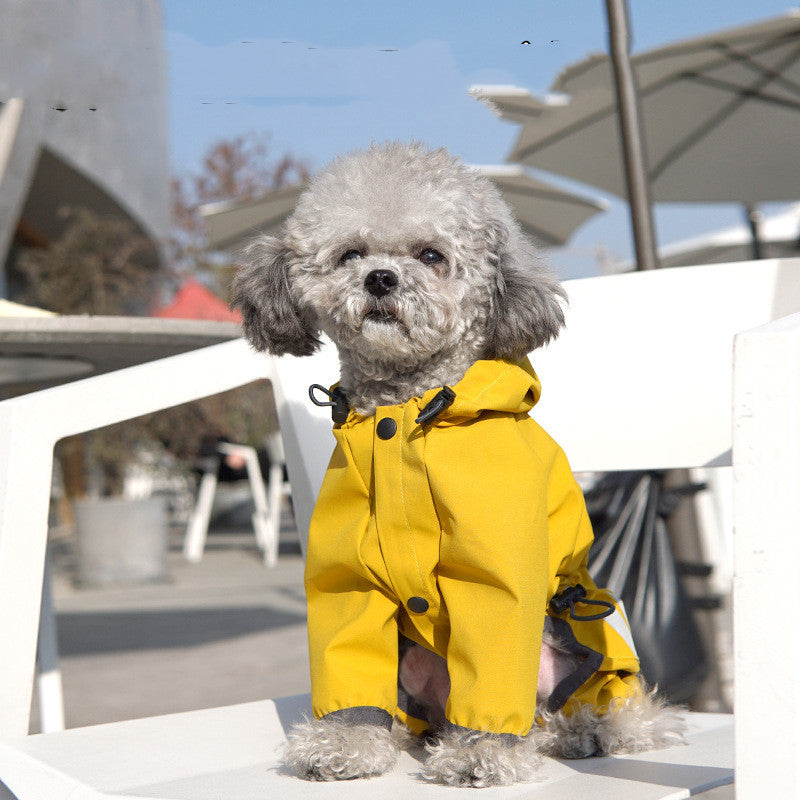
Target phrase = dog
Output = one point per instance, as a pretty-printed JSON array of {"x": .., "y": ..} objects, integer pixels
[{"x": 446, "y": 569}]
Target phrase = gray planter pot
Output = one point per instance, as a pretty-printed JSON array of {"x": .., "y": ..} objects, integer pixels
[{"x": 121, "y": 541}]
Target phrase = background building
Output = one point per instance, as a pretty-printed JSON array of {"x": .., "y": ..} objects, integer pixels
[{"x": 83, "y": 120}]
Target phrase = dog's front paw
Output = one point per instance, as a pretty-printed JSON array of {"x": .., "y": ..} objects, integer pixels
[
  {"x": 461, "y": 757},
  {"x": 332, "y": 749}
]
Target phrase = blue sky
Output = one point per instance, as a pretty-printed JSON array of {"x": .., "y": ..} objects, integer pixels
[{"x": 327, "y": 77}]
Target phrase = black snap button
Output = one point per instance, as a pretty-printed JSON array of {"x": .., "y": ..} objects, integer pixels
[
  {"x": 419, "y": 605},
  {"x": 386, "y": 428}
]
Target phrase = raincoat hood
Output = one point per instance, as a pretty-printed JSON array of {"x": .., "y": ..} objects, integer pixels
[{"x": 504, "y": 386}]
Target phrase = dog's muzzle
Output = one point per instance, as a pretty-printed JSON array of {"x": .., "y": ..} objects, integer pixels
[{"x": 379, "y": 282}]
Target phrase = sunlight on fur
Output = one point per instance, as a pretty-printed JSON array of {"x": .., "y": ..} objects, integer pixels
[
  {"x": 329, "y": 750},
  {"x": 631, "y": 725}
]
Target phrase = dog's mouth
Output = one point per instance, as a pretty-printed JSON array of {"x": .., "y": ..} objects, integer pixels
[
  {"x": 382, "y": 313},
  {"x": 382, "y": 316}
]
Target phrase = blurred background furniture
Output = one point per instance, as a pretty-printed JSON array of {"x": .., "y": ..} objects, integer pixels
[{"x": 266, "y": 502}]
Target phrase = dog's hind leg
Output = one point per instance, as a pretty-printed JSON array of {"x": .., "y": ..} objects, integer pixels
[
  {"x": 424, "y": 676},
  {"x": 642, "y": 721}
]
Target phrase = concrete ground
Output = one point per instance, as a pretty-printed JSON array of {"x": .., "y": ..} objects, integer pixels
[{"x": 226, "y": 630}]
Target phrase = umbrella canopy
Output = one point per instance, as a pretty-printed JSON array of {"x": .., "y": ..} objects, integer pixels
[
  {"x": 721, "y": 116},
  {"x": 515, "y": 104},
  {"x": 231, "y": 223},
  {"x": 548, "y": 213}
]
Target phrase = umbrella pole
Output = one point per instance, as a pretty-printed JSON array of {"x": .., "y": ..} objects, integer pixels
[{"x": 632, "y": 137}]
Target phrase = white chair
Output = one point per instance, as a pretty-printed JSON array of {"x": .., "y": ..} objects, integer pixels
[
  {"x": 642, "y": 378},
  {"x": 30, "y": 425},
  {"x": 267, "y": 506}
]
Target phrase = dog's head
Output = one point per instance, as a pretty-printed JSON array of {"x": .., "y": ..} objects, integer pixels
[{"x": 400, "y": 255}]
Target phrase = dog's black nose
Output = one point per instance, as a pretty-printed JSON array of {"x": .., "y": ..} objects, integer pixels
[{"x": 380, "y": 282}]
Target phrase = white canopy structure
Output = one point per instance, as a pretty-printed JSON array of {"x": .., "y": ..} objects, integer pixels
[{"x": 546, "y": 212}]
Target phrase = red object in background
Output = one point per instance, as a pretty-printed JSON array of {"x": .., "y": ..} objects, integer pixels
[{"x": 194, "y": 301}]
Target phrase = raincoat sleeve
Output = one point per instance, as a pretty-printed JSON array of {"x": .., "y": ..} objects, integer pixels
[
  {"x": 352, "y": 625},
  {"x": 609, "y": 673},
  {"x": 491, "y": 494}
]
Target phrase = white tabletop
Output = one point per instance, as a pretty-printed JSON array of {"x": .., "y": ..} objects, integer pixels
[{"x": 38, "y": 352}]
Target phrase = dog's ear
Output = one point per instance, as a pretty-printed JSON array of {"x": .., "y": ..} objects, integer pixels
[
  {"x": 527, "y": 302},
  {"x": 272, "y": 320}
]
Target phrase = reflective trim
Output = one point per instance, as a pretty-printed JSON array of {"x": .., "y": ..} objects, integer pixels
[
  {"x": 619, "y": 622},
  {"x": 470, "y": 736}
]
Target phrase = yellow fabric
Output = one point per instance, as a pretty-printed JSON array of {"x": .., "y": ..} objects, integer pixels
[
  {"x": 484, "y": 521},
  {"x": 602, "y": 689},
  {"x": 417, "y": 726}
]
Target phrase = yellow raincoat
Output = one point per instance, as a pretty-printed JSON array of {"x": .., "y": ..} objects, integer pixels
[{"x": 457, "y": 534}]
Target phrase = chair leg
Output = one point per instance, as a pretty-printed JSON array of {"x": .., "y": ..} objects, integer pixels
[
  {"x": 25, "y": 472},
  {"x": 48, "y": 681},
  {"x": 196, "y": 531},
  {"x": 266, "y": 533},
  {"x": 766, "y": 473},
  {"x": 276, "y": 492}
]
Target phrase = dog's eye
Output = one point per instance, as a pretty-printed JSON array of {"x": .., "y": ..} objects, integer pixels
[
  {"x": 349, "y": 255},
  {"x": 431, "y": 256}
]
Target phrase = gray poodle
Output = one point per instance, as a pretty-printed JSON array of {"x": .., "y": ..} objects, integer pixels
[{"x": 446, "y": 568}]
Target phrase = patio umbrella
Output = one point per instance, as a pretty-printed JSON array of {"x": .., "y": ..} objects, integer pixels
[
  {"x": 546, "y": 212},
  {"x": 549, "y": 214},
  {"x": 229, "y": 224},
  {"x": 720, "y": 114}
]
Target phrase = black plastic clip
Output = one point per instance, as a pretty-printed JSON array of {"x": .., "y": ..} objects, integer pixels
[
  {"x": 340, "y": 409},
  {"x": 441, "y": 400},
  {"x": 577, "y": 594}
]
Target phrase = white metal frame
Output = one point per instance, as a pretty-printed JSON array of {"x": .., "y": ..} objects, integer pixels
[
  {"x": 194, "y": 542},
  {"x": 30, "y": 426},
  {"x": 766, "y": 469}
]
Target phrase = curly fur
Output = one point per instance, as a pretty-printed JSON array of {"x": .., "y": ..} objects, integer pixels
[
  {"x": 403, "y": 737},
  {"x": 491, "y": 296},
  {"x": 331, "y": 749},
  {"x": 631, "y": 725},
  {"x": 468, "y": 758},
  {"x": 272, "y": 320}
]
